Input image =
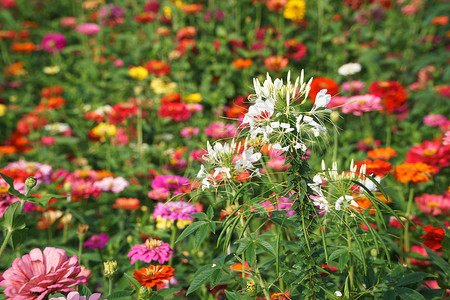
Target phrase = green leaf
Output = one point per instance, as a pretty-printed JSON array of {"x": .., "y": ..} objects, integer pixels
[
  {"x": 201, "y": 234},
  {"x": 136, "y": 285},
  {"x": 10, "y": 215},
  {"x": 43, "y": 201},
  {"x": 437, "y": 260},
  {"x": 412, "y": 278},
  {"x": 166, "y": 293},
  {"x": 189, "y": 230},
  {"x": 250, "y": 254},
  {"x": 244, "y": 243},
  {"x": 210, "y": 212},
  {"x": 266, "y": 247},
  {"x": 390, "y": 295},
  {"x": 231, "y": 295},
  {"x": 84, "y": 291},
  {"x": 337, "y": 253},
  {"x": 18, "y": 237},
  {"x": 200, "y": 278},
  {"x": 200, "y": 215},
  {"x": 408, "y": 294},
  {"x": 119, "y": 295},
  {"x": 216, "y": 277}
]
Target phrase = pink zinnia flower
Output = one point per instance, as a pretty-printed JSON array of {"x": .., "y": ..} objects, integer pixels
[
  {"x": 189, "y": 132},
  {"x": 175, "y": 210},
  {"x": 96, "y": 241},
  {"x": 353, "y": 87},
  {"x": 151, "y": 250},
  {"x": 446, "y": 139},
  {"x": 159, "y": 194},
  {"x": 279, "y": 205},
  {"x": 53, "y": 42},
  {"x": 434, "y": 120},
  {"x": 110, "y": 184},
  {"x": 419, "y": 262},
  {"x": 221, "y": 131},
  {"x": 432, "y": 153},
  {"x": 38, "y": 274},
  {"x": 88, "y": 29},
  {"x": 76, "y": 296},
  {"x": 276, "y": 63},
  {"x": 359, "y": 104},
  {"x": 170, "y": 182},
  {"x": 197, "y": 155},
  {"x": 434, "y": 204}
]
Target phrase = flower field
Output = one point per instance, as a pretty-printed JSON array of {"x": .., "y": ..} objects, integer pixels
[{"x": 209, "y": 149}]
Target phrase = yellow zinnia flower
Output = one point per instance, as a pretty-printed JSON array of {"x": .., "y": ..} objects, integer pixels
[
  {"x": 3, "y": 110},
  {"x": 295, "y": 10},
  {"x": 104, "y": 130},
  {"x": 161, "y": 86},
  {"x": 193, "y": 98},
  {"x": 138, "y": 73}
]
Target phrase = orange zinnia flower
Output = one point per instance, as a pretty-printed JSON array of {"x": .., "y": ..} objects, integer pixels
[
  {"x": 321, "y": 83},
  {"x": 127, "y": 203},
  {"x": 382, "y": 153},
  {"x": 242, "y": 63},
  {"x": 153, "y": 275},
  {"x": 415, "y": 172},
  {"x": 15, "y": 69},
  {"x": 22, "y": 47},
  {"x": 238, "y": 268},
  {"x": 6, "y": 150},
  {"x": 364, "y": 202},
  {"x": 439, "y": 20}
]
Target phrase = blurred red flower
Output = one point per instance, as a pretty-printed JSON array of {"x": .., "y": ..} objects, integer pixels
[{"x": 433, "y": 237}]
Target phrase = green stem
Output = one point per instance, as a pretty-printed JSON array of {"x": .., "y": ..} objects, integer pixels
[
  {"x": 139, "y": 129},
  {"x": 109, "y": 286},
  {"x": 388, "y": 132},
  {"x": 277, "y": 257},
  {"x": 408, "y": 212},
  {"x": 5, "y": 241},
  {"x": 349, "y": 244},
  {"x": 261, "y": 282},
  {"x": 172, "y": 240},
  {"x": 80, "y": 247}
]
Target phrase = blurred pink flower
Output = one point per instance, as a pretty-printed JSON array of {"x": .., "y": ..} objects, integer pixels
[
  {"x": 446, "y": 139},
  {"x": 47, "y": 140},
  {"x": 96, "y": 241},
  {"x": 159, "y": 194},
  {"x": 76, "y": 296},
  {"x": 110, "y": 184},
  {"x": 432, "y": 153},
  {"x": 419, "y": 262},
  {"x": 353, "y": 87},
  {"x": 151, "y": 250},
  {"x": 221, "y": 131},
  {"x": 434, "y": 205},
  {"x": 276, "y": 63},
  {"x": 434, "y": 120},
  {"x": 189, "y": 132},
  {"x": 359, "y": 104},
  {"x": 174, "y": 210},
  {"x": 38, "y": 274},
  {"x": 68, "y": 22},
  {"x": 118, "y": 63},
  {"x": 88, "y": 29}
]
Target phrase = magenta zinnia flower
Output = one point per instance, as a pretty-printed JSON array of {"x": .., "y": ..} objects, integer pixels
[
  {"x": 53, "y": 42},
  {"x": 38, "y": 274},
  {"x": 170, "y": 182},
  {"x": 432, "y": 153},
  {"x": 359, "y": 104},
  {"x": 96, "y": 241},
  {"x": 175, "y": 210},
  {"x": 151, "y": 250}
]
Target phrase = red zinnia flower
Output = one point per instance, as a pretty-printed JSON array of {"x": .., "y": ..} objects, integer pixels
[
  {"x": 321, "y": 83},
  {"x": 158, "y": 68},
  {"x": 376, "y": 167},
  {"x": 433, "y": 237},
  {"x": 392, "y": 93}
]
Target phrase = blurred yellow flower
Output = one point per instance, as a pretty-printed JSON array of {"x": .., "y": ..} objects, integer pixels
[
  {"x": 179, "y": 4},
  {"x": 183, "y": 223},
  {"x": 193, "y": 98},
  {"x": 167, "y": 12},
  {"x": 295, "y": 10},
  {"x": 163, "y": 223},
  {"x": 51, "y": 70},
  {"x": 104, "y": 130},
  {"x": 161, "y": 86},
  {"x": 3, "y": 110},
  {"x": 138, "y": 73}
]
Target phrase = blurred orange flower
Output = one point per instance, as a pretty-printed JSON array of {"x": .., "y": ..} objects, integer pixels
[
  {"x": 22, "y": 47},
  {"x": 415, "y": 172},
  {"x": 127, "y": 203},
  {"x": 439, "y": 20},
  {"x": 242, "y": 63},
  {"x": 382, "y": 153}
]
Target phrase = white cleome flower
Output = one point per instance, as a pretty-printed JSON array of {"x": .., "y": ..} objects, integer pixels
[
  {"x": 246, "y": 161},
  {"x": 347, "y": 199},
  {"x": 349, "y": 69}
]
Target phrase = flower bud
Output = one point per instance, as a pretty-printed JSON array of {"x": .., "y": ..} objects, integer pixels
[
  {"x": 30, "y": 183},
  {"x": 83, "y": 229},
  {"x": 334, "y": 116},
  {"x": 110, "y": 268},
  {"x": 374, "y": 252},
  {"x": 143, "y": 293},
  {"x": 251, "y": 288}
]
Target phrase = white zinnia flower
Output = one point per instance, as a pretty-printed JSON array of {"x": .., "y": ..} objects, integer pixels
[{"x": 349, "y": 69}]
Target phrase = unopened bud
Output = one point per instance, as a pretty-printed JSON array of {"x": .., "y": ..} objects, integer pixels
[
  {"x": 374, "y": 252},
  {"x": 30, "y": 183},
  {"x": 334, "y": 116},
  {"x": 110, "y": 268},
  {"x": 83, "y": 229},
  {"x": 251, "y": 288},
  {"x": 129, "y": 239},
  {"x": 143, "y": 293}
]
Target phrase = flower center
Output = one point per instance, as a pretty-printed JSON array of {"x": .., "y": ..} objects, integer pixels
[
  {"x": 433, "y": 204},
  {"x": 3, "y": 189},
  {"x": 153, "y": 243},
  {"x": 429, "y": 152}
]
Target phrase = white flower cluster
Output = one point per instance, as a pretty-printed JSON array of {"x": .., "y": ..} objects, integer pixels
[
  {"x": 224, "y": 161},
  {"x": 331, "y": 176},
  {"x": 349, "y": 69},
  {"x": 276, "y": 111}
]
